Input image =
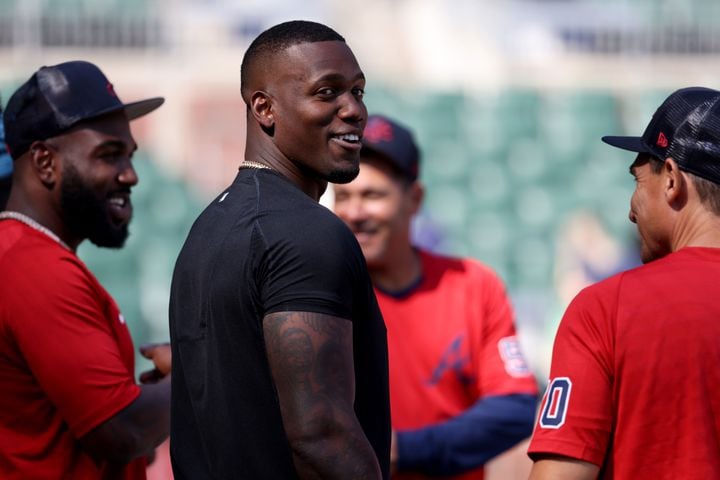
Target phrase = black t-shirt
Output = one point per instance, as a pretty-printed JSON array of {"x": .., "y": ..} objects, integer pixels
[{"x": 262, "y": 246}]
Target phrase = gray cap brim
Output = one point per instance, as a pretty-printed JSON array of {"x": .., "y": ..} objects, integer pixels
[{"x": 143, "y": 107}]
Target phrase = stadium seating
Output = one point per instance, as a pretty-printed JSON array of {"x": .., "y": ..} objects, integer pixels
[
  {"x": 504, "y": 172},
  {"x": 138, "y": 276}
]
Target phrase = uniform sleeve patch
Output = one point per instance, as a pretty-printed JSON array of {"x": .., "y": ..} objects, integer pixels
[
  {"x": 555, "y": 407},
  {"x": 512, "y": 357}
]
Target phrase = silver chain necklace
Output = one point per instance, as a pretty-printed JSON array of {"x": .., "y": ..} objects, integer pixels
[
  {"x": 33, "y": 224},
  {"x": 259, "y": 166}
]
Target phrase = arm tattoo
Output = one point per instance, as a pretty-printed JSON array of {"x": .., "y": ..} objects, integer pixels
[{"x": 311, "y": 360}]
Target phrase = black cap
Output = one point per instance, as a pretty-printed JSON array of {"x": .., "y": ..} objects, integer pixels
[
  {"x": 56, "y": 98},
  {"x": 394, "y": 142},
  {"x": 686, "y": 128}
]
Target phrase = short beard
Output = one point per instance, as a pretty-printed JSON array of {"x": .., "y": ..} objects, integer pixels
[
  {"x": 86, "y": 215},
  {"x": 343, "y": 176}
]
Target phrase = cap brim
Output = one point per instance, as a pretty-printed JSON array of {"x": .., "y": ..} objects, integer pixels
[
  {"x": 385, "y": 154},
  {"x": 632, "y": 144},
  {"x": 132, "y": 110},
  {"x": 372, "y": 149},
  {"x": 143, "y": 107}
]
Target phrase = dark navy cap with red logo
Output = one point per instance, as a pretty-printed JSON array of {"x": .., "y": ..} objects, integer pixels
[
  {"x": 686, "y": 128},
  {"x": 56, "y": 98},
  {"x": 394, "y": 142}
]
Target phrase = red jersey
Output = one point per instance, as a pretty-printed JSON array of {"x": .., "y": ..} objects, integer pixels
[
  {"x": 635, "y": 383},
  {"x": 451, "y": 341},
  {"x": 66, "y": 361}
]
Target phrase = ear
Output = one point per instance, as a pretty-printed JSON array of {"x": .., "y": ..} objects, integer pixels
[
  {"x": 44, "y": 162},
  {"x": 417, "y": 194},
  {"x": 675, "y": 184},
  {"x": 261, "y": 109}
]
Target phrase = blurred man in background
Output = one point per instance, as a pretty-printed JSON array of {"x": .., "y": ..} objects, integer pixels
[
  {"x": 70, "y": 407},
  {"x": 634, "y": 386},
  {"x": 461, "y": 392}
]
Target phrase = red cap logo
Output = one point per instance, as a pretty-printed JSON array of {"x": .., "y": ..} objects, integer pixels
[
  {"x": 378, "y": 130},
  {"x": 111, "y": 89},
  {"x": 662, "y": 141}
]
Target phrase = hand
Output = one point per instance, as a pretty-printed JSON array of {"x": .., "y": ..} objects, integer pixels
[{"x": 161, "y": 356}]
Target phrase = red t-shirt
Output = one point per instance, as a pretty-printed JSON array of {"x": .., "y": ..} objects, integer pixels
[
  {"x": 66, "y": 360},
  {"x": 451, "y": 341},
  {"x": 635, "y": 382}
]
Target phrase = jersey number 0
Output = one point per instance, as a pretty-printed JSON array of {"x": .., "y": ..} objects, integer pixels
[{"x": 556, "y": 403}]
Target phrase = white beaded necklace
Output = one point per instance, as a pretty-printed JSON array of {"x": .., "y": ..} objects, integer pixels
[{"x": 33, "y": 224}]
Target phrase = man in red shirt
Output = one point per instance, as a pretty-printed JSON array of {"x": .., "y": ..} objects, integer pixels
[
  {"x": 70, "y": 407},
  {"x": 635, "y": 389},
  {"x": 460, "y": 390}
]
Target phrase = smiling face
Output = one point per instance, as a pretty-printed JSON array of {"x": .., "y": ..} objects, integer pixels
[
  {"x": 378, "y": 207},
  {"x": 317, "y": 109},
  {"x": 96, "y": 178}
]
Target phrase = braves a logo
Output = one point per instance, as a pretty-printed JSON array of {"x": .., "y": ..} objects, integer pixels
[{"x": 452, "y": 360}]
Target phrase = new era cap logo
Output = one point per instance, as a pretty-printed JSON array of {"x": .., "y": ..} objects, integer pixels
[
  {"x": 662, "y": 141},
  {"x": 378, "y": 130}
]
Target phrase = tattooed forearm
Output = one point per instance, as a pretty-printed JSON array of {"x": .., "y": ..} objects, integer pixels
[
  {"x": 348, "y": 458},
  {"x": 311, "y": 360}
]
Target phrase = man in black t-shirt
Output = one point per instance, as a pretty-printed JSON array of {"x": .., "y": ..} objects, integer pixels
[{"x": 279, "y": 348}]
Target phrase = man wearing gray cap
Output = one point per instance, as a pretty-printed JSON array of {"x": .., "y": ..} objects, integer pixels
[
  {"x": 635, "y": 389},
  {"x": 70, "y": 407}
]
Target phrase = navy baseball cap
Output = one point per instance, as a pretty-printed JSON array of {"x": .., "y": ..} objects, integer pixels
[
  {"x": 686, "y": 128},
  {"x": 57, "y": 97},
  {"x": 394, "y": 142}
]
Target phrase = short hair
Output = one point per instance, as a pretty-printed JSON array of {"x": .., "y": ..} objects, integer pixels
[
  {"x": 276, "y": 39},
  {"x": 656, "y": 165},
  {"x": 708, "y": 191}
]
